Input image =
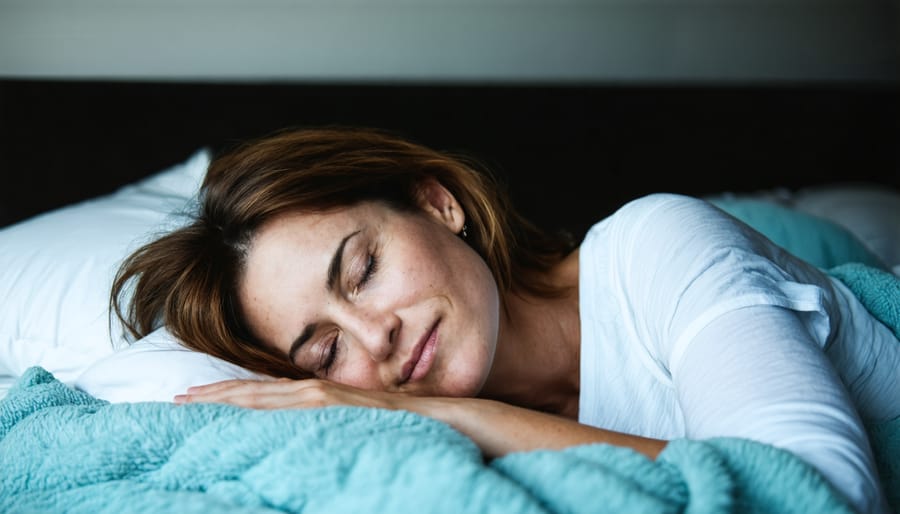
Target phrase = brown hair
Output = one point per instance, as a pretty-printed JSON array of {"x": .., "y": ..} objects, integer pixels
[{"x": 187, "y": 279}]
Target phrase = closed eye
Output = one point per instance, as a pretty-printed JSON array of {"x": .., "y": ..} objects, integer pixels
[
  {"x": 329, "y": 355},
  {"x": 367, "y": 273},
  {"x": 371, "y": 267}
]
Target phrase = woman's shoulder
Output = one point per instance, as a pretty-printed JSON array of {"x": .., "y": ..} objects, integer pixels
[
  {"x": 661, "y": 203},
  {"x": 655, "y": 213},
  {"x": 669, "y": 231},
  {"x": 646, "y": 233}
]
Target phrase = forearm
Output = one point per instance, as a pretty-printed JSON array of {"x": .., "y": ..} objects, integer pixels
[{"x": 499, "y": 428}]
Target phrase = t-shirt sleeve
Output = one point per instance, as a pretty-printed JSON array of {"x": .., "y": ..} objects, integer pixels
[
  {"x": 680, "y": 262},
  {"x": 737, "y": 327},
  {"x": 756, "y": 373}
]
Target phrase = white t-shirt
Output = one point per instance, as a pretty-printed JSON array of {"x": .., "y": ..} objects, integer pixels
[{"x": 694, "y": 326}]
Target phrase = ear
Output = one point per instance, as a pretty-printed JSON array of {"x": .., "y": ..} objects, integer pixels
[{"x": 438, "y": 202}]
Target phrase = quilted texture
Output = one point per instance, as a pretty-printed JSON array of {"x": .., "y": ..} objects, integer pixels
[{"x": 63, "y": 450}]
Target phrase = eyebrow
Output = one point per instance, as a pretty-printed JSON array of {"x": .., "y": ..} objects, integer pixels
[{"x": 334, "y": 274}]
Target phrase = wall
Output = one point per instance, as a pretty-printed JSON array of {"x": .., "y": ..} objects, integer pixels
[{"x": 560, "y": 41}]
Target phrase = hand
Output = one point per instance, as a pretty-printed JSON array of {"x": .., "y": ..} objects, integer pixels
[{"x": 285, "y": 393}]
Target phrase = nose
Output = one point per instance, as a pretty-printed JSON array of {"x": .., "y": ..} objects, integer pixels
[{"x": 374, "y": 331}]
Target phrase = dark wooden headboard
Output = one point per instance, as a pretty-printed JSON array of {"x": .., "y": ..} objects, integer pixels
[{"x": 570, "y": 154}]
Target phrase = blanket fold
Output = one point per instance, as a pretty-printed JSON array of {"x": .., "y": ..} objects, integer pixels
[{"x": 62, "y": 450}]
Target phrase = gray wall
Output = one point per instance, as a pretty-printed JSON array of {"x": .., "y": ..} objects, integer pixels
[{"x": 569, "y": 41}]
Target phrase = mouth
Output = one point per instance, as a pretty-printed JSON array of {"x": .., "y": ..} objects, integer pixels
[{"x": 419, "y": 363}]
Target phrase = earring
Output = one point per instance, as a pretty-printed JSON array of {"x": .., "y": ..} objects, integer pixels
[{"x": 464, "y": 234}]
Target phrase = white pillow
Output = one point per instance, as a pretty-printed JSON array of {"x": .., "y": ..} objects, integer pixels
[
  {"x": 155, "y": 369},
  {"x": 56, "y": 270},
  {"x": 870, "y": 211}
]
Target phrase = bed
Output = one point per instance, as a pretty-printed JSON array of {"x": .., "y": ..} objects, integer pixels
[{"x": 95, "y": 168}]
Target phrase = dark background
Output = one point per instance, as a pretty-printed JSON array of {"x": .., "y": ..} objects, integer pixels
[{"x": 570, "y": 154}]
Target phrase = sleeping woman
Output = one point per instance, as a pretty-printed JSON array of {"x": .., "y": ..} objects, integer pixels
[{"x": 361, "y": 268}]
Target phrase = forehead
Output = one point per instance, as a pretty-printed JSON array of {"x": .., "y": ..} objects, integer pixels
[
  {"x": 305, "y": 236},
  {"x": 317, "y": 227},
  {"x": 287, "y": 264}
]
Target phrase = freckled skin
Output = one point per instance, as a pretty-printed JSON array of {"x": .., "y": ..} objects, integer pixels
[{"x": 425, "y": 274}]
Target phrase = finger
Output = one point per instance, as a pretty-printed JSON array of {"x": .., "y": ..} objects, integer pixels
[
  {"x": 251, "y": 399},
  {"x": 209, "y": 392},
  {"x": 219, "y": 386},
  {"x": 274, "y": 383},
  {"x": 222, "y": 391}
]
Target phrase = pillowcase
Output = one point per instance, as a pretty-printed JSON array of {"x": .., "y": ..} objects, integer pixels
[
  {"x": 56, "y": 270},
  {"x": 155, "y": 369}
]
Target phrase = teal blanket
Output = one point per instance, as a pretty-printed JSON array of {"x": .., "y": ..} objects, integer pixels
[{"x": 64, "y": 451}]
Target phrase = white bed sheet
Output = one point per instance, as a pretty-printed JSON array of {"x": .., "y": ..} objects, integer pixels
[{"x": 6, "y": 381}]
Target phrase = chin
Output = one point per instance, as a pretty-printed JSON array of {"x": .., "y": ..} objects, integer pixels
[
  {"x": 460, "y": 392},
  {"x": 462, "y": 377},
  {"x": 464, "y": 385}
]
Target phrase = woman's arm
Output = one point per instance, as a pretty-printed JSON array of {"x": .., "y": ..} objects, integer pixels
[
  {"x": 497, "y": 428},
  {"x": 757, "y": 373}
]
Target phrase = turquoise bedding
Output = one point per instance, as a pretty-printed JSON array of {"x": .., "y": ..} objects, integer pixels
[
  {"x": 64, "y": 451},
  {"x": 813, "y": 239}
]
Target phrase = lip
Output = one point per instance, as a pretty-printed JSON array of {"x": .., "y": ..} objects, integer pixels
[{"x": 419, "y": 363}]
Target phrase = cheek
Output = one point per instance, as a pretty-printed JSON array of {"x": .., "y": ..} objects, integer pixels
[
  {"x": 466, "y": 373},
  {"x": 469, "y": 359},
  {"x": 423, "y": 271},
  {"x": 358, "y": 373}
]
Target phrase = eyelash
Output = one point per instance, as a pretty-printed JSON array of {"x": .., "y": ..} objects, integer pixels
[
  {"x": 332, "y": 355},
  {"x": 371, "y": 267}
]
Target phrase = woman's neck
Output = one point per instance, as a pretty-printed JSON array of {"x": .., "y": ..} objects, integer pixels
[{"x": 536, "y": 363}]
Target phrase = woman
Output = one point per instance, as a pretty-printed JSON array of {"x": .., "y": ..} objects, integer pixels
[{"x": 364, "y": 269}]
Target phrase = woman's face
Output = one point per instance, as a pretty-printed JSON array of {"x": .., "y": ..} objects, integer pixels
[{"x": 375, "y": 298}]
